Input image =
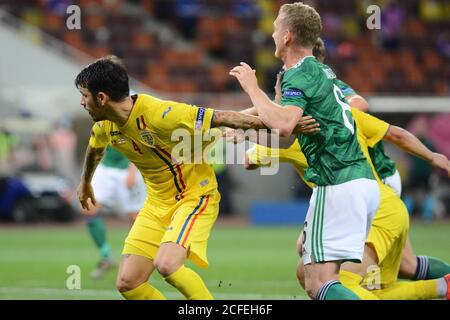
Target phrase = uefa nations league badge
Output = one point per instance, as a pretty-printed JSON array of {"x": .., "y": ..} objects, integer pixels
[{"x": 147, "y": 137}]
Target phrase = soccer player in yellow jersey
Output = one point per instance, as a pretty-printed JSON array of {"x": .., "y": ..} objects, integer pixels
[{"x": 182, "y": 198}]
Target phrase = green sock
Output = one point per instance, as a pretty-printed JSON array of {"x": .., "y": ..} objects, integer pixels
[
  {"x": 437, "y": 268},
  {"x": 334, "y": 290},
  {"x": 97, "y": 230}
]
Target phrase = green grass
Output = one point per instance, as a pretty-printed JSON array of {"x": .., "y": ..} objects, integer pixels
[{"x": 245, "y": 262}]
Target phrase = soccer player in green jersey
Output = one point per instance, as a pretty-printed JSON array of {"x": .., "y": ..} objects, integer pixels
[
  {"x": 412, "y": 267},
  {"x": 346, "y": 195}
]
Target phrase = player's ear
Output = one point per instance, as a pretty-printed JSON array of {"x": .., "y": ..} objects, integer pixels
[
  {"x": 287, "y": 37},
  {"x": 102, "y": 98}
]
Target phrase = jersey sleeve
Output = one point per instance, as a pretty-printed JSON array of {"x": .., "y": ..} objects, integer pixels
[
  {"x": 174, "y": 115},
  {"x": 293, "y": 92},
  {"x": 345, "y": 88},
  {"x": 259, "y": 155},
  {"x": 373, "y": 128},
  {"x": 99, "y": 138}
]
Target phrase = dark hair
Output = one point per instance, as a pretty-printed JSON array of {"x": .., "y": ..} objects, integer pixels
[
  {"x": 319, "y": 50},
  {"x": 106, "y": 75}
]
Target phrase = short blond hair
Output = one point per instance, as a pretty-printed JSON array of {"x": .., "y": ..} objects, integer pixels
[
  {"x": 303, "y": 21},
  {"x": 319, "y": 50}
]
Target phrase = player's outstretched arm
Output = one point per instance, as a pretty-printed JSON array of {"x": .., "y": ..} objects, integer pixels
[
  {"x": 411, "y": 144},
  {"x": 358, "y": 102},
  {"x": 91, "y": 161}
]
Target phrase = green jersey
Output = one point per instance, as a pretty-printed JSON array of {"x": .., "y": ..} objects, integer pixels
[
  {"x": 333, "y": 154},
  {"x": 114, "y": 159},
  {"x": 383, "y": 165}
]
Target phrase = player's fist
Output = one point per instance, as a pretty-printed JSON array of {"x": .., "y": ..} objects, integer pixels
[
  {"x": 246, "y": 76},
  {"x": 440, "y": 161},
  {"x": 84, "y": 193}
]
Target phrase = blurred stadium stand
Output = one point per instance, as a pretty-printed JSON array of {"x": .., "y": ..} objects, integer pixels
[{"x": 183, "y": 50}]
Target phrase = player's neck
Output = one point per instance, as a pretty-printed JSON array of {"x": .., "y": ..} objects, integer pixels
[
  {"x": 120, "y": 111},
  {"x": 294, "y": 55}
]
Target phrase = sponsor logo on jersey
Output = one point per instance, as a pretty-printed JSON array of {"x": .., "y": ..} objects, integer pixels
[
  {"x": 118, "y": 141},
  {"x": 204, "y": 182},
  {"x": 115, "y": 133},
  {"x": 147, "y": 137},
  {"x": 292, "y": 93},
  {"x": 140, "y": 121},
  {"x": 199, "y": 119},
  {"x": 169, "y": 228},
  {"x": 166, "y": 111}
]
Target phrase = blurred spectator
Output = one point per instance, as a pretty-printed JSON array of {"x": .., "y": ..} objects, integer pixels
[
  {"x": 63, "y": 142},
  {"x": 7, "y": 142},
  {"x": 392, "y": 22}
]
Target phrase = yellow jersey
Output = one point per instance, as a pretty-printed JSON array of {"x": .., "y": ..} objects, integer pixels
[
  {"x": 370, "y": 130},
  {"x": 151, "y": 140}
]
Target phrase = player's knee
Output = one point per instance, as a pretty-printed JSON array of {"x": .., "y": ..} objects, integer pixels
[
  {"x": 301, "y": 274},
  {"x": 126, "y": 283},
  {"x": 312, "y": 287},
  {"x": 167, "y": 265},
  {"x": 408, "y": 266}
]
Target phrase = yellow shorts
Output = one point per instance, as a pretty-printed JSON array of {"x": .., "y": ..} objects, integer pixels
[
  {"x": 187, "y": 223},
  {"x": 387, "y": 236}
]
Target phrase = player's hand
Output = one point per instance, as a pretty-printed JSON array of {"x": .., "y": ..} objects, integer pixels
[
  {"x": 246, "y": 76},
  {"x": 86, "y": 192},
  {"x": 307, "y": 126},
  {"x": 234, "y": 136},
  {"x": 131, "y": 181},
  {"x": 440, "y": 161}
]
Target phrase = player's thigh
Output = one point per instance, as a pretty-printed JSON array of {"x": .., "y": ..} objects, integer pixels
[
  {"x": 191, "y": 225},
  {"x": 333, "y": 211},
  {"x": 146, "y": 233},
  {"x": 317, "y": 274},
  {"x": 133, "y": 271}
]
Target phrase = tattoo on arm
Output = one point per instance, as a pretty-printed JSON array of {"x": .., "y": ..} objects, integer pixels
[
  {"x": 236, "y": 120},
  {"x": 91, "y": 161}
]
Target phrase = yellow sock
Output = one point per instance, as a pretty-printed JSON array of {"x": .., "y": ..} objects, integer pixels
[
  {"x": 352, "y": 281},
  {"x": 409, "y": 290},
  {"x": 144, "y": 292},
  {"x": 189, "y": 284}
]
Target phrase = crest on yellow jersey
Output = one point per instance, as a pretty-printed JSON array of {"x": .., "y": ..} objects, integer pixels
[{"x": 147, "y": 137}]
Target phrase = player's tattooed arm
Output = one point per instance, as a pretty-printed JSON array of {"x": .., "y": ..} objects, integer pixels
[
  {"x": 236, "y": 120},
  {"x": 91, "y": 161},
  {"x": 85, "y": 190}
]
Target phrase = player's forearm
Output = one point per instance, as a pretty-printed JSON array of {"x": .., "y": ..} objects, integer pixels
[
  {"x": 408, "y": 142},
  {"x": 250, "y": 111},
  {"x": 237, "y": 120},
  {"x": 91, "y": 161},
  {"x": 272, "y": 114}
]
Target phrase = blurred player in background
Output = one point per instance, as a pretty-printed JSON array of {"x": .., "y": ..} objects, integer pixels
[{"x": 120, "y": 189}]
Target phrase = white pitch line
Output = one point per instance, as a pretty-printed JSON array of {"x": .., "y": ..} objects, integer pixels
[{"x": 103, "y": 294}]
